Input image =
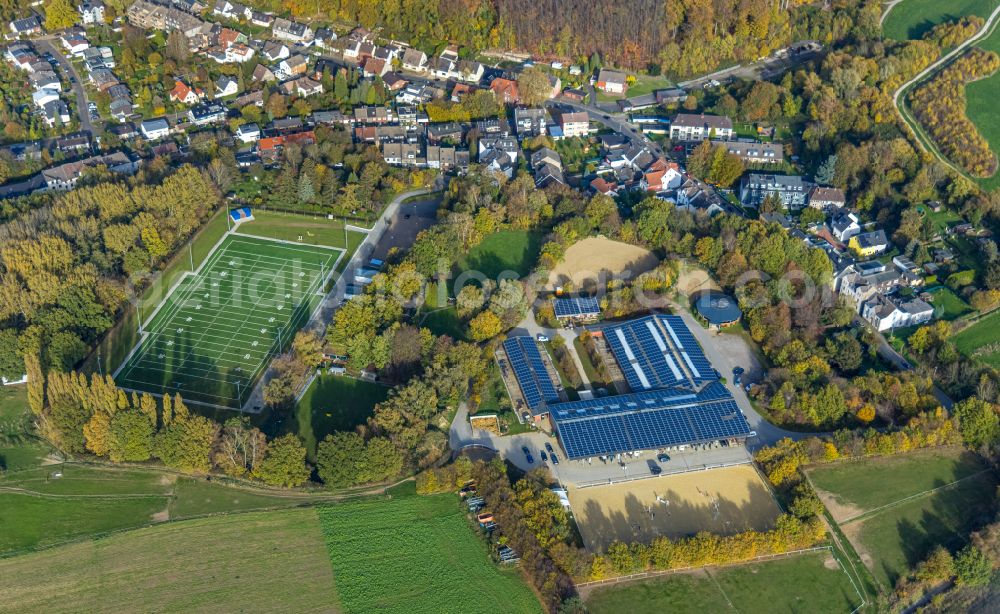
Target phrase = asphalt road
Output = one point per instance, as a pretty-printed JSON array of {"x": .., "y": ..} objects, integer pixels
[
  {"x": 45, "y": 45},
  {"x": 616, "y": 122}
]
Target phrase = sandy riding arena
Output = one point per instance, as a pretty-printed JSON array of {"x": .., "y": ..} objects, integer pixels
[
  {"x": 598, "y": 258},
  {"x": 724, "y": 501}
]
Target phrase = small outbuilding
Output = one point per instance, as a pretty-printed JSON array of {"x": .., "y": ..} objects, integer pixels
[{"x": 719, "y": 309}]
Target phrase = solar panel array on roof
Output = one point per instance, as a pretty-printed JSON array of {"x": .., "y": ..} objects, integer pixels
[
  {"x": 658, "y": 352},
  {"x": 529, "y": 369},
  {"x": 645, "y": 421},
  {"x": 576, "y": 307}
]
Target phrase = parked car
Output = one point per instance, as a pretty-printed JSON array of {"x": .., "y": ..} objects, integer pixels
[
  {"x": 548, "y": 446},
  {"x": 662, "y": 458},
  {"x": 544, "y": 456},
  {"x": 654, "y": 468},
  {"x": 555, "y": 459},
  {"x": 543, "y": 338},
  {"x": 527, "y": 454}
]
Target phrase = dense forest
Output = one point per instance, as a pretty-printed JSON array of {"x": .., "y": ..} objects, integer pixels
[{"x": 675, "y": 36}]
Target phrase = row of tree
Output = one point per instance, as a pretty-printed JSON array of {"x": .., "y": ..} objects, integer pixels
[
  {"x": 81, "y": 415},
  {"x": 940, "y": 106}
]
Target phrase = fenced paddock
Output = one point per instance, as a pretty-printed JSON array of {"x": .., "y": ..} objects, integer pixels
[
  {"x": 725, "y": 500},
  {"x": 215, "y": 333}
]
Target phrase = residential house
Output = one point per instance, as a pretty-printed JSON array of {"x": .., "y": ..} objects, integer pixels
[
  {"x": 75, "y": 43},
  {"x": 45, "y": 80},
  {"x": 493, "y": 127},
  {"x": 827, "y": 198},
  {"x": 42, "y": 97},
  {"x": 602, "y": 186},
  {"x": 302, "y": 87},
  {"x": 325, "y": 37},
  {"x": 691, "y": 127},
  {"x": 862, "y": 283},
  {"x": 845, "y": 226},
  {"x": 373, "y": 115},
  {"x": 499, "y": 154},
  {"x": 469, "y": 71},
  {"x": 661, "y": 175},
  {"x": 414, "y": 60},
  {"x": 574, "y": 124},
  {"x": 55, "y": 113},
  {"x": 226, "y": 86},
  {"x": 260, "y": 18},
  {"x": 121, "y": 108},
  {"x": 696, "y": 196},
  {"x": 239, "y": 53},
  {"x": 611, "y": 81},
  {"x": 530, "y": 122},
  {"x": 401, "y": 154},
  {"x": 248, "y": 133},
  {"x": 293, "y": 65},
  {"x": 125, "y": 131},
  {"x": 271, "y": 146},
  {"x": 450, "y": 131},
  {"x": 375, "y": 67},
  {"x": 284, "y": 29},
  {"x": 394, "y": 81},
  {"x": 447, "y": 158},
  {"x": 754, "y": 153},
  {"x": 273, "y": 51},
  {"x": 330, "y": 118},
  {"x": 669, "y": 97},
  {"x": 547, "y": 167},
  {"x": 91, "y": 12},
  {"x": 792, "y": 190},
  {"x": 869, "y": 243},
  {"x": 26, "y": 26},
  {"x": 285, "y": 125},
  {"x": 209, "y": 113},
  {"x": 151, "y": 16},
  {"x": 229, "y": 10},
  {"x": 186, "y": 94},
  {"x": 74, "y": 144},
  {"x": 506, "y": 90},
  {"x": 263, "y": 74},
  {"x": 888, "y": 312},
  {"x": 65, "y": 176},
  {"x": 255, "y": 98},
  {"x": 442, "y": 68}
]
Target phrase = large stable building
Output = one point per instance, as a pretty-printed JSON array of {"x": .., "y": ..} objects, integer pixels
[{"x": 675, "y": 395}]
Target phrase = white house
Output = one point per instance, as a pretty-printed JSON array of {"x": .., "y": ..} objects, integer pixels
[
  {"x": 226, "y": 86},
  {"x": 44, "y": 96},
  {"x": 291, "y": 31},
  {"x": 25, "y": 26},
  {"x": 612, "y": 82},
  {"x": 154, "y": 129},
  {"x": 239, "y": 53},
  {"x": 248, "y": 133},
  {"x": 414, "y": 60},
  {"x": 845, "y": 226},
  {"x": 575, "y": 124},
  {"x": 91, "y": 12},
  {"x": 275, "y": 51},
  {"x": 74, "y": 43},
  {"x": 690, "y": 127},
  {"x": 887, "y": 312}
]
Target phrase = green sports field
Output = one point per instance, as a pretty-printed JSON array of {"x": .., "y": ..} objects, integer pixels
[{"x": 213, "y": 336}]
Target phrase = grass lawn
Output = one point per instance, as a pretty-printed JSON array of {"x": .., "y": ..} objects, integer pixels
[
  {"x": 18, "y": 449},
  {"x": 507, "y": 250},
  {"x": 981, "y": 340},
  {"x": 335, "y": 403},
  {"x": 863, "y": 484},
  {"x": 444, "y": 322},
  {"x": 647, "y": 84},
  {"x": 893, "y": 523},
  {"x": 805, "y": 583},
  {"x": 911, "y": 19},
  {"x": 948, "y": 305},
  {"x": 415, "y": 554},
  {"x": 40, "y": 510},
  {"x": 259, "y": 562},
  {"x": 314, "y": 229}
]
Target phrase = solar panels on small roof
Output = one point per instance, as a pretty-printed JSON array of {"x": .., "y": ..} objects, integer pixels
[
  {"x": 576, "y": 307},
  {"x": 529, "y": 369}
]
